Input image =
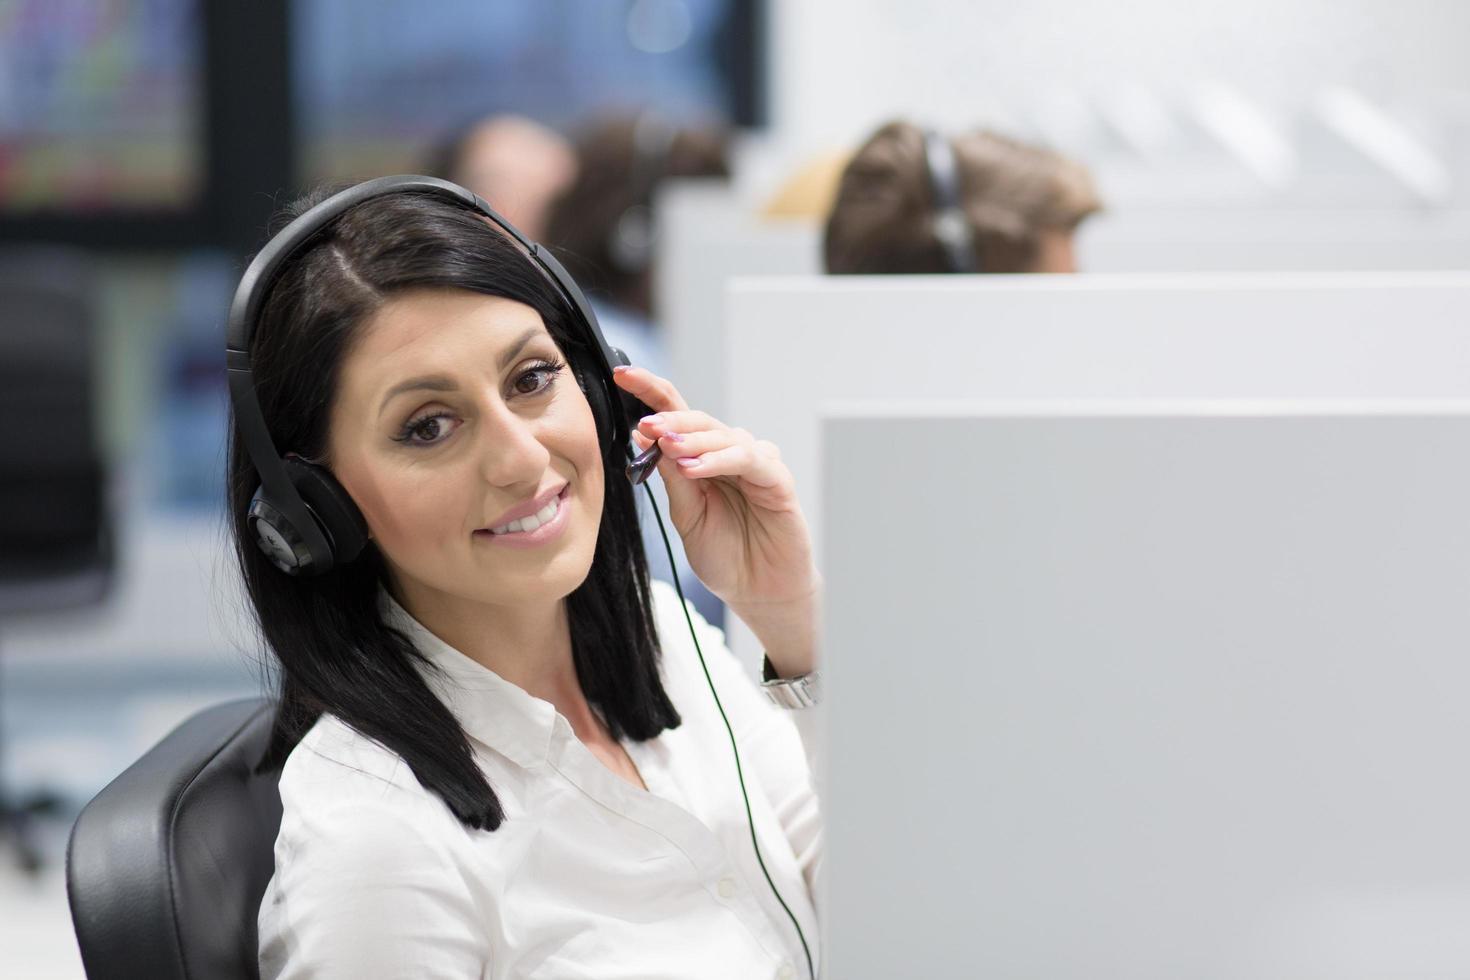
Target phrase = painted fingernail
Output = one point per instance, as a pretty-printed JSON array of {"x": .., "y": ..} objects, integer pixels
[
  {"x": 621, "y": 368},
  {"x": 651, "y": 420},
  {"x": 673, "y": 437},
  {"x": 689, "y": 462}
]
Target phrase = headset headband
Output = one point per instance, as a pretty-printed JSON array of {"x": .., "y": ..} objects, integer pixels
[{"x": 951, "y": 226}]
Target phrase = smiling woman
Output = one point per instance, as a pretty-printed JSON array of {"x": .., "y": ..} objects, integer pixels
[
  {"x": 473, "y": 688},
  {"x": 413, "y": 351}
]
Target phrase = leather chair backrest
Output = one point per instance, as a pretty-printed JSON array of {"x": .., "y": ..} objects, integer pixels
[
  {"x": 167, "y": 865},
  {"x": 57, "y": 548}
]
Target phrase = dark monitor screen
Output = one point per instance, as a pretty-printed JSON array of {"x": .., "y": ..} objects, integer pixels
[
  {"x": 373, "y": 93},
  {"x": 163, "y": 124}
]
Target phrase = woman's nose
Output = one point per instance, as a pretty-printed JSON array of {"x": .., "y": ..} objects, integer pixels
[{"x": 511, "y": 451}]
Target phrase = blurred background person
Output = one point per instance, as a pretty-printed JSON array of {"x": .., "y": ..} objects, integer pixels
[
  {"x": 1016, "y": 207},
  {"x": 602, "y": 228},
  {"x": 153, "y": 141},
  {"x": 516, "y": 164}
]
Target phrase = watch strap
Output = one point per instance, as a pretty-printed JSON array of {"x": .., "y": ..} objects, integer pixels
[{"x": 791, "y": 692}]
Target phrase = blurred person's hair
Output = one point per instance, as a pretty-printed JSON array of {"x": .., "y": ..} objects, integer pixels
[
  {"x": 602, "y": 228},
  {"x": 1010, "y": 193},
  {"x": 333, "y": 651},
  {"x": 515, "y": 163}
]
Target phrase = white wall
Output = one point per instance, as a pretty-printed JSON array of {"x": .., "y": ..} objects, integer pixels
[{"x": 839, "y": 66}]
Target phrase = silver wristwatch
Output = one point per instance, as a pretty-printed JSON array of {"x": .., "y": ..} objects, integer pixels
[{"x": 791, "y": 692}]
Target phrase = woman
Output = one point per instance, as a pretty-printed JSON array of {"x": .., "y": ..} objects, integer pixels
[{"x": 501, "y": 757}]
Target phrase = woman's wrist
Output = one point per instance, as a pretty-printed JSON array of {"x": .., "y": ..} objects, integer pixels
[{"x": 787, "y": 632}]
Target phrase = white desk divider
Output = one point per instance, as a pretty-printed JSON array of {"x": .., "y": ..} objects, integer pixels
[
  {"x": 1302, "y": 240},
  {"x": 797, "y": 342},
  {"x": 1175, "y": 688}
]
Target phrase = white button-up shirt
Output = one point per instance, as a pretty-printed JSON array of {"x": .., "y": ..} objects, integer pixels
[{"x": 589, "y": 876}]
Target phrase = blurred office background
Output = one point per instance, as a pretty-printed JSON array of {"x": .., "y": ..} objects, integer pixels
[
  {"x": 144, "y": 143},
  {"x": 150, "y": 140}
]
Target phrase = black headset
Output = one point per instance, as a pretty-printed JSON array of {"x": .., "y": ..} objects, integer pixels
[
  {"x": 307, "y": 523},
  {"x": 302, "y": 518},
  {"x": 951, "y": 226}
]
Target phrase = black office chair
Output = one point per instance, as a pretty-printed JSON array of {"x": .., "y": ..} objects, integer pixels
[
  {"x": 167, "y": 865},
  {"x": 57, "y": 528}
]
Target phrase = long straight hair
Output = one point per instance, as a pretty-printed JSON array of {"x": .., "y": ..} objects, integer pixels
[{"x": 334, "y": 653}]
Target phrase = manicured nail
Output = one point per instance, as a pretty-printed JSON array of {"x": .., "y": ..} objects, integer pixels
[
  {"x": 688, "y": 462},
  {"x": 673, "y": 437},
  {"x": 651, "y": 420},
  {"x": 621, "y": 368}
]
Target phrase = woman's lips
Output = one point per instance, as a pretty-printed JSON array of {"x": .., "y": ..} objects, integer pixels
[{"x": 544, "y": 534}]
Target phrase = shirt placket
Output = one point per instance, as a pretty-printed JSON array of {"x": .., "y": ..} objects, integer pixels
[
  {"x": 654, "y": 810},
  {"x": 652, "y": 761}
]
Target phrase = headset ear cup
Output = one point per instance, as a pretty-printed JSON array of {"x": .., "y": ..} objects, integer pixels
[
  {"x": 281, "y": 541},
  {"x": 332, "y": 506}
]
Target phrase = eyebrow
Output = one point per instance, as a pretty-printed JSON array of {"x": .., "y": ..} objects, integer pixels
[{"x": 439, "y": 382}]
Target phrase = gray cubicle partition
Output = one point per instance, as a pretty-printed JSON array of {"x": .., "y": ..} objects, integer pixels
[{"x": 1148, "y": 690}]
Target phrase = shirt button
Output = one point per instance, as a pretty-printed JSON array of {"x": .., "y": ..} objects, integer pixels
[
  {"x": 786, "y": 972},
  {"x": 727, "y": 887}
]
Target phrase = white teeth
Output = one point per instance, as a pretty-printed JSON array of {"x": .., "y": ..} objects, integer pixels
[{"x": 533, "y": 522}]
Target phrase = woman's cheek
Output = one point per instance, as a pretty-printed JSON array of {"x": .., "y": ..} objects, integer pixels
[{"x": 404, "y": 513}]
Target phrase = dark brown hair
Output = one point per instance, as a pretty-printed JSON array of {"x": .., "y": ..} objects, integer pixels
[
  {"x": 621, "y": 162},
  {"x": 883, "y": 218}
]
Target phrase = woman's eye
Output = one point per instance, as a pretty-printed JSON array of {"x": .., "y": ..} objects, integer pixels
[
  {"x": 426, "y": 431},
  {"x": 550, "y": 371}
]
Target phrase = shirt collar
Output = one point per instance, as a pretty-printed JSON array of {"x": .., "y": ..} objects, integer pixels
[{"x": 488, "y": 707}]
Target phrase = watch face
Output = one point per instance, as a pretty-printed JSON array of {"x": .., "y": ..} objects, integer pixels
[{"x": 275, "y": 545}]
